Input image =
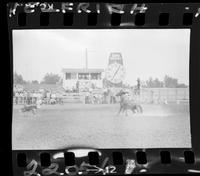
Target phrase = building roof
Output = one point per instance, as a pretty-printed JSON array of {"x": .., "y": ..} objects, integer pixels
[{"x": 83, "y": 70}]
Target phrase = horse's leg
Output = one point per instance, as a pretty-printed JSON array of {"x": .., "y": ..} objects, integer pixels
[
  {"x": 126, "y": 112},
  {"x": 120, "y": 109},
  {"x": 33, "y": 111},
  {"x": 141, "y": 110},
  {"x": 137, "y": 109},
  {"x": 133, "y": 110}
]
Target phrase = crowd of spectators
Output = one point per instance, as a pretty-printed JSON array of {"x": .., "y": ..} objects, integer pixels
[
  {"x": 32, "y": 96},
  {"x": 106, "y": 97},
  {"x": 47, "y": 96}
]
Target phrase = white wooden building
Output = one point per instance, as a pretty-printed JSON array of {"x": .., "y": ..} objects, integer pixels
[{"x": 82, "y": 78}]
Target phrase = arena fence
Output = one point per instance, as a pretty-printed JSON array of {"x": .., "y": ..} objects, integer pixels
[
  {"x": 74, "y": 98},
  {"x": 156, "y": 95},
  {"x": 146, "y": 95}
]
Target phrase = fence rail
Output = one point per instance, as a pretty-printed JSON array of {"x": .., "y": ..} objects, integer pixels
[
  {"x": 146, "y": 95},
  {"x": 164, "y": 94}
]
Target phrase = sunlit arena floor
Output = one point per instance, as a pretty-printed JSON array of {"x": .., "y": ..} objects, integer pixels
[{"x": 99, "y": 126}]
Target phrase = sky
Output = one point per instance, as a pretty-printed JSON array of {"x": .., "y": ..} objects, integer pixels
[{"x": 145, "y": 52}]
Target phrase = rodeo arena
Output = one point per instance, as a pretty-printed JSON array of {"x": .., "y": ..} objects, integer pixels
[{"x": 89, "y": 109}]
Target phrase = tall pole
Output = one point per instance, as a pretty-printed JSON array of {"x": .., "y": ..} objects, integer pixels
[{"x": 86, "y": 59}]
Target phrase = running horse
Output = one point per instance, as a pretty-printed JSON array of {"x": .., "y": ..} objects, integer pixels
[{"x": 126, "y": 104}]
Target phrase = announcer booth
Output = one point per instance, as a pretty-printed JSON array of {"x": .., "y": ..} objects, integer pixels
[{"x": 82, "y": 79}]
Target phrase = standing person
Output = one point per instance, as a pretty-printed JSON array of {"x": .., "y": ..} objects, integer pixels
[
  {"x": 31, "y": 97},
  {"x": 105, "y": 94},
  {"x": 112, "y": 97},
  {"x": 38, "y": 96},
  {"x": 87, "y": 97},
  {"x": 91, "y": 98},
  {"x": 60, "y": 97},
  {"x": 44, "y": 93},
  {"x": 16, "y": 97},
  {"x": 109, "y": 96},
  {"x": 53, "y": 97},
  {"x": 34, "y": 97},
  {"x": 28, "y": 98},
  {"x": 77, "y": 86},
  {"x": 152, "y": 96},
  {"x": 20, "y": 98},
  {"x": 48, "y": 96},
  {"x": 138, "y": 86},
  {"x": 24, "y": 96}
]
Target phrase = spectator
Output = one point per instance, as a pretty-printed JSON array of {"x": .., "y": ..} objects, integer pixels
[
  {"x": 87, "y": 97},
  {"x": 60, "y": 98},
  {"x": 25, "y": 97},
  {"x": 16, "y": 97},
  {"x": 22, "y": 97},
  {"x": 28, "y": 97},
  {"x": 39, "y": 95},
  {"x": 48, "y": 94},
  {"x": 34, "y": 97},
  {"x": 112, "y": 97},
  {"x": 53, "y": 95}
]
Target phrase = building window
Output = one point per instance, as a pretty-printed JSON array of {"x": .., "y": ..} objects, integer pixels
[
  {"x": 68, "y": 76},
  {"x": 84, "y": 76},
  {"x": 96, "y": 76}
]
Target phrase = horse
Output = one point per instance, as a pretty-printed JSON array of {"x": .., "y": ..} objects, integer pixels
[{"x": 127, "y": 104}]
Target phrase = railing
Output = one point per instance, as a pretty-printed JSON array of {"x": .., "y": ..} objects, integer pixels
[
  {"x": 68, "y": 98},
  {"x": 147, "y": 95},
  {"x": 164, "y": 94},
  {"x": 74, "y": 98},
  {"x": 24, "y": 100},
  {"x": 33, "y": 100}
]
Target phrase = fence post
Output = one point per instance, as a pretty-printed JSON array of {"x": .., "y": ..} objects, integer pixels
[
  {"x": 167, "y": 94},
  {"x": 159, "y": 95},
  {"x": 152, "y": 96}
]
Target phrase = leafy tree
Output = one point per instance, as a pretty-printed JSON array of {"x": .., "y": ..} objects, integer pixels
[
  {"x": 149, "y": 82},
  {"x": 35, "y": 82},
  {"x": 60, "y": 82},
  {"x": 50, "y": 78},
  {"x": 158, "y": 83},
  {"x": 167, "y": 82},
  {"x": 18, "y": 79},
  {"x": 154, "y": 83},
  {"x": 170, "y": 82},
  {"x": 181, "y": 85}
]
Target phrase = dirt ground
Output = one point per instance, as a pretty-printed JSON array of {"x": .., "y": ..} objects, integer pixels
[{"x": 99, "y": 126}]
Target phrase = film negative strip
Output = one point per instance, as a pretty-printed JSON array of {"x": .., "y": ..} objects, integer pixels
[{"x": 104, "y": 88}]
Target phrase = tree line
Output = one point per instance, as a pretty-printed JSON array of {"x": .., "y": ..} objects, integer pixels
[
  {"x": 167, "y": 81},
  {"x": 49, "y": 78}
]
